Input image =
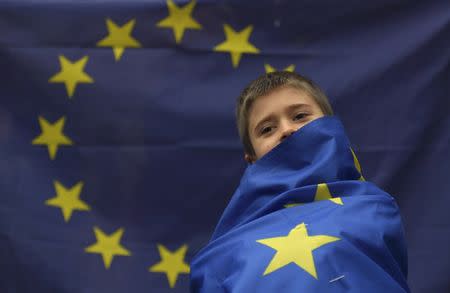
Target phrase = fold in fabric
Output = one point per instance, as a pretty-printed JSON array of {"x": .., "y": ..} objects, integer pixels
[{"x": 303, "y": 219}]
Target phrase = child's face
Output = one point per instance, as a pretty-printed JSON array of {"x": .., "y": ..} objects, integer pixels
[{"x": 277, "y": 115}]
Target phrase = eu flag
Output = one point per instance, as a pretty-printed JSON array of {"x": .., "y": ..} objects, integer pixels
[
  {"x": 303, "y": 219},
  {"x": 119, "y": 151}
]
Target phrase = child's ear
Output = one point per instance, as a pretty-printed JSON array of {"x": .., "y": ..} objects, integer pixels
[{"x": 249, "y": 158}]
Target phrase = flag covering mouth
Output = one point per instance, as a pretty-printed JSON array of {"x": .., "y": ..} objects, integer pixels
[{"x": 304, "y": 218}]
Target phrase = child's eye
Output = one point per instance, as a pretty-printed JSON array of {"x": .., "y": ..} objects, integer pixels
[
  {"x": 299, "y": 116},
  {"x": 266, "y": 129}
]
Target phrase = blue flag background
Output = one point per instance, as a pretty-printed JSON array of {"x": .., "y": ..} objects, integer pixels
[{"x": 118, "y": 148}]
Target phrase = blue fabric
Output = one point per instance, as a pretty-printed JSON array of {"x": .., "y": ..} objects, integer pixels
[
  {"x": 370, "y": 255},
  {"x": 155, "y": 141}
]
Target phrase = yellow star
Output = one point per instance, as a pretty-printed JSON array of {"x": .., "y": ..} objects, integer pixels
[
  {"x": 71, "y": 74},
  {"x": 296, "y": 248},
  {"x": 269, "y": 68},
  {"x": 322, "y": 193},
  {"x": 290, "y": 205},
  {"x": 108, "y": 246},
  {"x": 357, "y": 165},
  {"x": 119, "y": 38},
  {"x": 68, "y": 199},
  {"x": 52, "y": 135},
  {"x": 172, "y": 264},
  {"x": 179, "y": 19},
  {"x": 237, "y": 43}
]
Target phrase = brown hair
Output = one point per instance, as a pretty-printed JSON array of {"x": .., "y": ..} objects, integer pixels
[{"x": 265, "y": 84}]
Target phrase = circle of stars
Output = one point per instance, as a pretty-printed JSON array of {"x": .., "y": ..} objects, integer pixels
[{"x": 72, "y": 73}]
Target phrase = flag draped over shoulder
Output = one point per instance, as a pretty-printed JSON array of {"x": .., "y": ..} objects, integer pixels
[{"x": 303, "y": 219}]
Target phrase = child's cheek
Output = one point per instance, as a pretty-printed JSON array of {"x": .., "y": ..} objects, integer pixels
[{"x": 270, "y": 145}]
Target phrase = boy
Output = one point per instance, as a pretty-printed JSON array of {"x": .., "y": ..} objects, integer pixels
[
  {"x": 303, "y": 218},
  {"x": 274, "y": 106}
]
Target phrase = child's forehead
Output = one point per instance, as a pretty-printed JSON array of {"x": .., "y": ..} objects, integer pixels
[
  {"x": 284, "y": 95},
  {"x": 284, "y": 99}
]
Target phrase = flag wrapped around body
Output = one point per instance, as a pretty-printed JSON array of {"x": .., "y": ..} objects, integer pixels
[{"x": 303, "y": 219}]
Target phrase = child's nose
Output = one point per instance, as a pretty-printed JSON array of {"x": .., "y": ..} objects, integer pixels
[{"x": 286, "y": 130}]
